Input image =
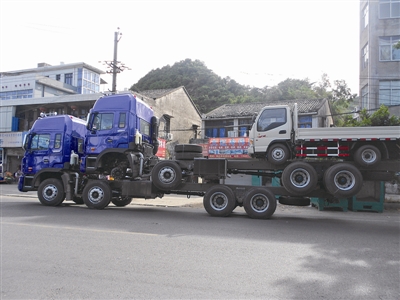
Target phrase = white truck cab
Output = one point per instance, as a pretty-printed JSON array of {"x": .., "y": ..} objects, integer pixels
[{"x": 273, "y": 125}]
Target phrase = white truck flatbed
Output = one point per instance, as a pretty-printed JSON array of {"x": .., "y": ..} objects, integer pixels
[{"x": 349, "y": 133}]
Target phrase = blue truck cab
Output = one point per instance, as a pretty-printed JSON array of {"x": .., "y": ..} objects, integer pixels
[
  {"x": 121, "y": 130},
  {"x": 53, "y": 144}
]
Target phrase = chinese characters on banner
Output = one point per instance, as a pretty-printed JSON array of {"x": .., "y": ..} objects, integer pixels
[{"x": 231, "y": 147}]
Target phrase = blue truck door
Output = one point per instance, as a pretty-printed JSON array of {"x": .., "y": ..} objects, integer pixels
[
  {"x": 108, "y": 130},
  {"x": 38, "y": 157}
]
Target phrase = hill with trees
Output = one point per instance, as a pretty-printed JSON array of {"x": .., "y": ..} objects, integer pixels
[{"x": 209, "y": 91}]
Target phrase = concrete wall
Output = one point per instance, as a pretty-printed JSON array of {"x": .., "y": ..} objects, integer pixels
[{"x": 183, "y": 114}]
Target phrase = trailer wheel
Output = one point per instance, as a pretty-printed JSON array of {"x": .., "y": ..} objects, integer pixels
[
  {"x": 259, "y": 203},
  {"x": 188, "y": 148},
  {"x": 343, "y": 180},
  {"x": 166, "y": 175},
  {"x": 97, "y": 194},
  {"x": 121, "y": 201},
  {"x": 299, "y": 178},
  {"x": 51, "y": 192},
  {"x": 219, "y": 201},
  {"x": 278, "y": 154},
  {"x": 367, "y": 155}
]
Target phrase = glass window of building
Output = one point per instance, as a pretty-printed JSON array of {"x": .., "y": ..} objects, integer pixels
[
  {"x": 21, "y": 94},
  {"x": 364, "y": 55},
  {"x": 364, "y": 97},
  {"x": 389, "y": 92},
  {"x": 91, "y": 82},
  {"x": 68, "y": 78},
  {"x": 389, "y": 9},
  {"x": 365, "y": 15},
  {"x": 387, "y": 49}
]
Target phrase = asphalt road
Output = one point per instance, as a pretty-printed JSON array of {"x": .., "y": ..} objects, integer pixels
[{"x": 142, "y": 252}]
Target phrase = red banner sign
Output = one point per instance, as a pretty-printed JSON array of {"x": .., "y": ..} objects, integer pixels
[{"x": 232, "y": 147}]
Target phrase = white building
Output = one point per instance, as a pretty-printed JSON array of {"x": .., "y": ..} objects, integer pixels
[
  {"x": 24, "y": 94},
  {"x": 379, "y": 56}
]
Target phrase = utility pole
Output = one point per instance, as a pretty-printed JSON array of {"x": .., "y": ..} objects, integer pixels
[{"x": 115, "y": 65}]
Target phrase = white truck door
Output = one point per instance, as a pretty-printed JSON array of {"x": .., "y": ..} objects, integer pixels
[{"x": 273, "y": 124}]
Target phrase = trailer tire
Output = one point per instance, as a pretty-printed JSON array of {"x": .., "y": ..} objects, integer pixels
[
  {"x": 166, "y": 175},
  {"x": 367, "y": 155},
  {"x": 97, "y": 194},
  {"x": 219, "y": 201},
  {"x": 278, "y": 154},
  {"x": 188, "y": 148},
  {"x": 343, "y": 180},
  {"x": 187, "y": 155},
  {"x": 299, "y": 178},
  {"x": 294, "y": 201},
  {"x": 51, "y": 192},
  {"x": 259, "y": 203},
  {"x": 121, "y": 201}
]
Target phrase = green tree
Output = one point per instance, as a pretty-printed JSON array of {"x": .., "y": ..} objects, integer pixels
[
  {"x": 291, "y": 89},
  {"x": 381, "y": 117},
  {"x": 341, "y": 98}
]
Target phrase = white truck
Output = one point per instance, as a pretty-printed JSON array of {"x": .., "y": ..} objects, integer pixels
[{"x": 275, "y": 135}]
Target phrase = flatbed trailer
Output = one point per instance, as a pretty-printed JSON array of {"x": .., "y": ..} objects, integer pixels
[{"x": 208, "y": 177}]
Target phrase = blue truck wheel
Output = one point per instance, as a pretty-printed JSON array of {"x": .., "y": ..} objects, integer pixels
[
  {"x": 51, "y": 192},
  {"x": 97, "y": 194}
]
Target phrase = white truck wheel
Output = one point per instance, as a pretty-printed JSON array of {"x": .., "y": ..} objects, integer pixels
[{"x": 367, "y": 155}]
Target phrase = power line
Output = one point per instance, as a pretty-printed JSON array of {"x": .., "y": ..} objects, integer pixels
[{"x": 114, "y": 65}]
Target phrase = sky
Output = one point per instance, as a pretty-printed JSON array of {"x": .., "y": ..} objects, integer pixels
[{"x": 256, "y": 43}]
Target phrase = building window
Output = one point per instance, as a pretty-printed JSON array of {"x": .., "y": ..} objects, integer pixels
[
  {"x": 21, "y": 94},
  {"x": 165, "y": 126},
  {"x": 58, "y": 77},
  {"x": 364, "y": 97},
  {"x": 305, "y": 122},
  {"x": 364, "y": 56},
  {"x": 90, "y": 82},
  {"x": 389, "y": 9},
  {"x": 387, "y": 50},
  {"x": 389, "y": 92},
  {"x": 365, "y": 15},
  {"x": 68, "y": 78}
]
